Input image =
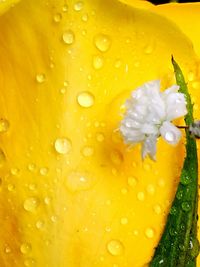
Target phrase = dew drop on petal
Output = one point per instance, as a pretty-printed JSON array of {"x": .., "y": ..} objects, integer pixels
[
  {"x": 149, "y": 232},
  {"x": 85, "y": 99},
  {"x": 44, "y": 171},
  {"x": 87, "y": 151},
  {"x": 68, "y": 37},
  {"x": 57, "y": 17},
  {"x": 7, "y": 249},
  {"x": 150, "y": 189},
  {"x": 140, "y": 196},
  {"x": 78, "y": 181},
  {"x": 132, "y": 181},
  {"x": 40, "y": 224},
  {"x": 29, "y": 262},
  {"x": 85, "y": 17},
  {"x": 4, "y": 125},
  {"x": 40, "y": 77},
  {"x": 124, "y": 221},
  {"x": 118, "y": 63},
  {"x": 31, "y": 204},
  {"x": 15, "y": 171},
  {"x": 115, "y": 247},
  {"x": 102, "y": 42},
  {"x": 25, "y": 248},
  {"x": 157, "y": 209},
  {"x": 63, "y": 145},
  {"x": 100, "y": 137},
  {"x": 65, "y": 8},
  {"x": 98, "y": 62},
  {"x": 78, "y": 6}
]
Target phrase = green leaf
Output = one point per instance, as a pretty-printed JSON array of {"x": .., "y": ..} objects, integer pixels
[{"x": 179, "y": 245}]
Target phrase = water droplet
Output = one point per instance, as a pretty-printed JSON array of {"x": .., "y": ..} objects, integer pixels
[
  {"x": 150, "y": 189},
  {"x": 40, "y": 224},
  {"x": 63, "y": 90},
  {"x": 44, "y": 171},
  {"x": 102, "y": 42},
  {"x": 172, "y": 231},
  {"x": 57, "y": 17},
  {"x": 196, "y": 84},
  {"x": 116, "y": 157},
  {"x": 65, "y": 8},
  {"x": 7, "y": 249},
  {"x": 78, "y": 181},
  {"x": 63, "y": 145},
  {"x": 11, "y": 187},
  {"x": 78, "y": 6},
  {"x": 173, "y": 210},
  {"x": 161, "y": 182},
  {"x": 85, "y": 99},
  {"x": 186, "y": 206},
  {"x": 31, "y": 204},
  {"x": 15, "y": 171},
  {"x": 194, "y": 246},
  {"x": 157, "y": 209},
  {"x": 115, "y": 247},
  {"x": 32, "y": 187},
  {"x": 40, "y": 77},
  {"x": 124, "y": 191},
  {"x": 132, "y": 181},
  {"x": 30, "y": 262},
  {"x": 170, "y": 136},
  {"x": 47, "y": 200},
  {"x": 149, "y": 232},
  {"x": 146, "y": 166},
  {"x": 148, "y": 49},
  {"x": 98, "y": 62},
  {"x": 191, "y": 76},
  {"x": 140, "y": 196},
  {"x": 4, "y": 125},
  {"x": 32, "y": 167},
  {"x": 124, "y": 221},
  {"x": 68, "y": 37},
  {"x": 2, "y": 157},
  {"x": 54, "y": 218},
  {"x": 85, "y": 17},
  {"x": 100, "y": 137},
  {"x": 135, "y": 232},
  {"x": 185, "y": 178},
  {"x": 25, "y": 248},
  {"x": 87, "y": 151},
  {"x": 118, "y": 63}
]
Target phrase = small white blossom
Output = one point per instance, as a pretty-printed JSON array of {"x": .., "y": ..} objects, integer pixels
[{"x": 149, "y": 113}]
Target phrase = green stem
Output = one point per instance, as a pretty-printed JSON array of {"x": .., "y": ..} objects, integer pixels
[{"x": 179, "y": 245}]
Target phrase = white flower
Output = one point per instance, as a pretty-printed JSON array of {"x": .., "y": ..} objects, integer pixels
[{"x": 149, "y": 113}]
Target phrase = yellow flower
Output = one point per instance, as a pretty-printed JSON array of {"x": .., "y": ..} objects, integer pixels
[{"x": 71, "y": 192}]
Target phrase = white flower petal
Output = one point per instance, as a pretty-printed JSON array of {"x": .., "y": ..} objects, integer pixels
[
  {"x": 149, "y": 147},
  {"x": 175, "y": 106},
  {"x": 170, "y": 133}
]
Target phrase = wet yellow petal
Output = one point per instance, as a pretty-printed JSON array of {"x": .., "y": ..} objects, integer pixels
[
  {"x": 186, "y": 16},
  {"x": 72, "y": 194},
  {"x": 137, "y": 3},
  {"x": 5, "y": 5}
]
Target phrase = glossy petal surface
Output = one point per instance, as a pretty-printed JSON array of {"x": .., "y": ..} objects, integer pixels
[{"x": 72, "y": 194}]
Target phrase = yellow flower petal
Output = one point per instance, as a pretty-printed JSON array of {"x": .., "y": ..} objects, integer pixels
[
  {"x": 5, "y": 5},
  {"x": 72, "y": 194},
  {"x": 137, "y": 3},
  {"x": 186, "y": 16}
]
